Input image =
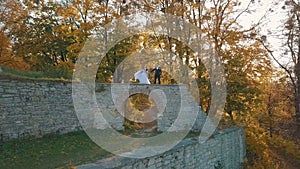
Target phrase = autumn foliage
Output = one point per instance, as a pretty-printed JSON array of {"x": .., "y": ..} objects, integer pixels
[{"x": 47, "y": 36}]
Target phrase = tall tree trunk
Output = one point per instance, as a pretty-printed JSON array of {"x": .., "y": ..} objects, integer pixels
[
  {"x": 297, "y": 100},
  {"x": 297, "y": 74},
  {"x": 297, "y": 94},
  {"x": 270, "y": 107}
]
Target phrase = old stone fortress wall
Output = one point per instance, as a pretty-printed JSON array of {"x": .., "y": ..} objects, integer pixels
[{"x": 31, "y": 107}]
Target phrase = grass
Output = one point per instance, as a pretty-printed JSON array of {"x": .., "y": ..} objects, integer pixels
[
  {"x": 51, "y": 151},
  {"x": 63, "y": 151},
  {"x": 51, "y": 73}
]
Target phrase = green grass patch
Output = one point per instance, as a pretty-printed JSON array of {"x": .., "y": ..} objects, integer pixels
[
  {"x": 51, "y": 151},
  {"x": 51, "y": 73},
  {"x": 55, "y": 151}
]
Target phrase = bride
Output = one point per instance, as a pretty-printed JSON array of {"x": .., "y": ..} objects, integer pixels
[{"x": 142, "y": 76}]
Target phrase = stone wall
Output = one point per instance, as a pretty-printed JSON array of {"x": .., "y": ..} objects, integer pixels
[
  {"x": 225, "y": 150},
  {"x": 37, "y": 107}
]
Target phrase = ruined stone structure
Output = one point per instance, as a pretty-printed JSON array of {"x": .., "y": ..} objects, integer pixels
[
  {"x": 31, "y": 107},
  {"x": 38, "y": 107}
]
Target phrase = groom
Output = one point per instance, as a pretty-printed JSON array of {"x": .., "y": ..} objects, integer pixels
[{"x": 157, "y": 74}]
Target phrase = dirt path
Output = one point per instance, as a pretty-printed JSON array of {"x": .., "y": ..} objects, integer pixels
[{"x": 284, "y": 161}]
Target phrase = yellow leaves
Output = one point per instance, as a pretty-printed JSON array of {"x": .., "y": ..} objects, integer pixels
[
  {"x": 101, "y": 10},
  {"x": 63, "y": 31},
  {"x": 64, "y": 27},
  {"x": 16, "y": 63},
  {"x": 75, "y": 48},
  {"x": 233, "y": 38},
  {"x": 107, "y": 20},
  {"x": 68, "y": 12},
  {"x": 59, "y": 11},
  {"x": 257, "y": 148},
  {"x": 6, "y": 56},
  {"x": 86, "y": 26}
]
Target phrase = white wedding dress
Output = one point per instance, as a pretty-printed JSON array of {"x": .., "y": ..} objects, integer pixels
[{"x": 142, "y": 76}]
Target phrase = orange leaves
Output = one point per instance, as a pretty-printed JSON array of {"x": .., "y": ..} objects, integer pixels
[
  {"x": 16, "y": 63},
  {"x": 6, "y": 56},
  {"x": 68, "y": 12},
  {"x": 72, "y": 167}
]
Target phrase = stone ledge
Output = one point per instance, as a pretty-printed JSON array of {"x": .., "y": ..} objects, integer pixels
[{"x": 190, "y": 148}]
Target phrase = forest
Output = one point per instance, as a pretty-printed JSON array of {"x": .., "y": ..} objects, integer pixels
[{"x": 44, "y": 38}]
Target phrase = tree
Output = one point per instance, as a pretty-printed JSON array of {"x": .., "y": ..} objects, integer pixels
[
  {"x": 290, "y": 51},
  {"x": 9, "y": 23},
  {"x": 245, "y": 61},
  {"x": 293, "y": 43},
  {"x": 278, "y": 102},
  {"x": 5, "y": 50}
]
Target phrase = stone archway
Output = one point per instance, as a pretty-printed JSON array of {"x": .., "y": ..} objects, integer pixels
[
  {"x": 140, "y": 113},
  {"x": 170, "y": 100}
]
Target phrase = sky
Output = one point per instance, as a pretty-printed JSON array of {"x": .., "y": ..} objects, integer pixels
[
  {"x": 271, "y": 26},
  {"x": 272, "y": 21}
]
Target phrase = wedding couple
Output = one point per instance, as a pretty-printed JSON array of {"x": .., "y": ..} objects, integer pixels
[{"x": 142, "y": 75}]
